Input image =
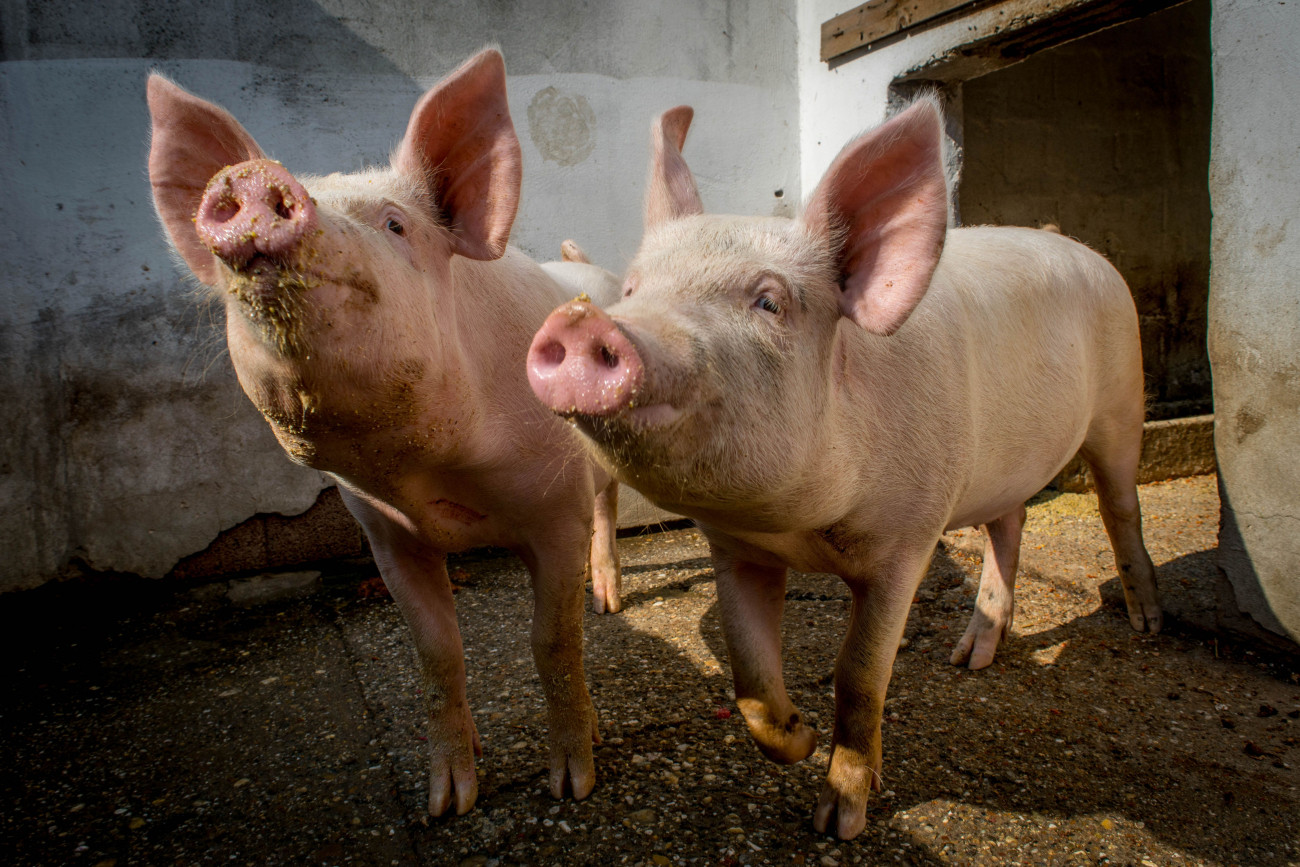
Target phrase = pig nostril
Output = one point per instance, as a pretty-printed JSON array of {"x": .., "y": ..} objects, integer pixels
[
  {"x": 608, "y": 356},
  {"x": 552, "y": 354},
  {"x": 225, "y": 210},
  {"x": 282, "y": 208}
]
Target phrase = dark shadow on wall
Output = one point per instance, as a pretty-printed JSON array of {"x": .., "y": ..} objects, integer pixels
[
  {"x": 293, "y": 34},
  {"x": 1238, "y": 585}
]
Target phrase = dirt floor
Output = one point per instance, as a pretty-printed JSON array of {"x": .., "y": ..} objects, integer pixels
[{"x": 151, "y": 725}]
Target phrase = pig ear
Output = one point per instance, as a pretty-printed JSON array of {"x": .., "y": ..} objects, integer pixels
[
  {"x": 192, "y": 140},
  {"x": 670, "y": 189},
  {"x": 462, "y": 142},
  {"x": 883, "y": 205}
]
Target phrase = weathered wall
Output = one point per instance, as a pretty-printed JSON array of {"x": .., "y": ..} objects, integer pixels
[
  {"x": 1255, "y": 305},
  {"x": 126, "y": 444},
  {"x": 1108, "y": 137}
]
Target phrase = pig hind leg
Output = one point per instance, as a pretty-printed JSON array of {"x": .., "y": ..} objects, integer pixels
[
  {"x": 557, "y": 563},
  {"x": 606, "y": 579},
  {"x": 1112, "y": 449},
  {"x": 995, "y": 602}
]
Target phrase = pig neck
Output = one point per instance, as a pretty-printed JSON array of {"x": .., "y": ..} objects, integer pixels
[
  {"x": 500, "y": 306},
  {"x": 893, "y": 405}
]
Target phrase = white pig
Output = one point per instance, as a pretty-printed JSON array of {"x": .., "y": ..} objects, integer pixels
[
  {"x": 379, "y": 322},
  {"x": 832, "y": 393}
]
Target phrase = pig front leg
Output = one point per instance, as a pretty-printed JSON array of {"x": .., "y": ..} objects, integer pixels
[
  {"x": 559, "y": 572},
  {"x": 751, "y": 599},
  {"x": 420, "y": 587},
  {"x": 879, "y": 613},
  {"x": 995, "y": 602},
  {"x": 606, "y": 577}
]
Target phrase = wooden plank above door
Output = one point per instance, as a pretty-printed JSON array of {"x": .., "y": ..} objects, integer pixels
[{"x": 877, "y": 19}]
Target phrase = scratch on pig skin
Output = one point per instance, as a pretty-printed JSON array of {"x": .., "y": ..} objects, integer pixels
[{"x": 456, "y": 512}]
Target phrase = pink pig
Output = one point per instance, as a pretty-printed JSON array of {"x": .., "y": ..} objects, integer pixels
[
  {"x": 832, "y": 393},
  {"x": 379, "y": 322}
]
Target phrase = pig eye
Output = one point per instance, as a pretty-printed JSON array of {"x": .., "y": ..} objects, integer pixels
[
  {"x": 766, "y": 302},
  {"x": 395, "y": 227}
]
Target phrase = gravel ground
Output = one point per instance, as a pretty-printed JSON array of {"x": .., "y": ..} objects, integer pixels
[{"x": 145, "y": 724}]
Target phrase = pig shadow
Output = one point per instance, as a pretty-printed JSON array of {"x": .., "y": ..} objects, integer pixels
[
  {"x": 1067, "y": 725},
  {"x": 291, "y": 732}
]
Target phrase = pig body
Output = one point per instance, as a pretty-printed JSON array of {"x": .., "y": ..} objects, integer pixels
[
  {"x": 831, "y": 394},
  {"x": 380, "y": 323}
]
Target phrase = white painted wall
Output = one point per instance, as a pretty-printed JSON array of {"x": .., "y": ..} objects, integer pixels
[
  {"x": 837, "y": 101},
  {"x": 126, "y": 443},
  {"x": 1255, "y": 304}
]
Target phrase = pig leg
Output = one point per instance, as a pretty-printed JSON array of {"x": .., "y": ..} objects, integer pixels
[
  {"x": 606, "y": 580},
  {"x": 422, "y": 591},
  {"x": 995, "y": 605},
  {"x": 878, "y": 615},
  {"x": 751, "y": 599},
  {"x": 1113, "y": 452},
  {"x": 559, "y": 573}
]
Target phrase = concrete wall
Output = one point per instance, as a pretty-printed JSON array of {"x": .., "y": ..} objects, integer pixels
[
  {"x": 126, "y": 444},
  {"x": 1255, "y": 305}
]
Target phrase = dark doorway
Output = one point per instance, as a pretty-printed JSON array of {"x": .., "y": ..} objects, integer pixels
[{"x": 1108, "y": 138}]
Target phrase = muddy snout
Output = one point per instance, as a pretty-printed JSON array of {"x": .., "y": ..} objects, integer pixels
[
  {"x": 580, "y": 363},
  {"x": 255, "y": 208}
]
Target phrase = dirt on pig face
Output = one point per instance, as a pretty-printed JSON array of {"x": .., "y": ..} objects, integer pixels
[
  {"x": 341, "y": 339},
  {"x": 362, "y": 269}
]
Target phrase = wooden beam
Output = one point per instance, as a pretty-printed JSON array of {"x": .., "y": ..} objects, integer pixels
[{"x": 877, "y": 19}]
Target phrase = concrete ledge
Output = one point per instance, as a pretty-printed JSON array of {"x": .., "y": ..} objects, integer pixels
[
  {"x": 328, "y": 531},
  {"x": 1171, "y": 449},
  {"x": 272, "y": 542}
]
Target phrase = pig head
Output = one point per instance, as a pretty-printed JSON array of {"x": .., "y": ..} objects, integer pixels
[
  {"x": 832, "y": 393},
  {"x": 379, "y": 321}
]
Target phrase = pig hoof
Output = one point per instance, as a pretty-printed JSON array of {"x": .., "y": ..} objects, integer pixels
[
  {"x": 977, "y": 646},
  {"x": 573, "y": 776},
  {"x": 605, "y": 596},
  {"x": 450, "y": 786},
  {"x": 848, "y": 809},
  {"x": 1146, "y": 618},
  {"x": 785, "y": 742}
]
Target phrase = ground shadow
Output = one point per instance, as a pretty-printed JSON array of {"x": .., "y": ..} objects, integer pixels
[{"x": 1070, "y": 725}]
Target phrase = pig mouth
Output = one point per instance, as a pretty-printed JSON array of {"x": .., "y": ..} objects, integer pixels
[
  {"x": 272, "y": 294},
  {"x": 264, "y": 278},
  {"x": 655, "y": 415}
]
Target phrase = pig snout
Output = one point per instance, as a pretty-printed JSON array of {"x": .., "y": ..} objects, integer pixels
[
  {"x": 580, "y": 363},
  {"x": 255, "y": 208}
]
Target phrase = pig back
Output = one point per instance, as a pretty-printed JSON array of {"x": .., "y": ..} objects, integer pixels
[{"x": 1023, "y": 338}]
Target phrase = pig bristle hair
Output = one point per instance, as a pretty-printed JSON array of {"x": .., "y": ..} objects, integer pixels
[{"x": 951, "y": 155}]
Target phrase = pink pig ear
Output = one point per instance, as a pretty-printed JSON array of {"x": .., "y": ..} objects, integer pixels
[
  {"x": 461, "y": 139},
  {"x": 884, "y": 202},
  {"x": 670, "y": 189},
  {"x": 192, "y": 140}
]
